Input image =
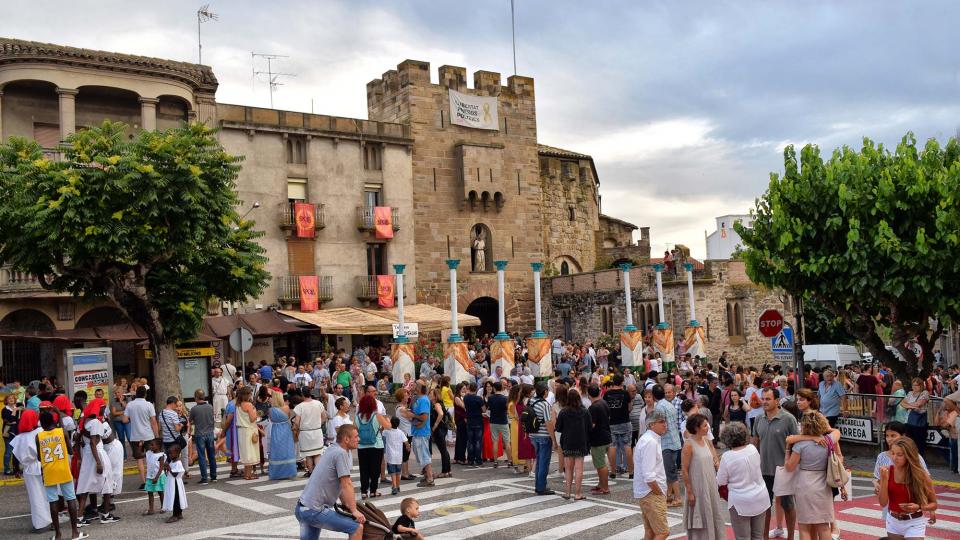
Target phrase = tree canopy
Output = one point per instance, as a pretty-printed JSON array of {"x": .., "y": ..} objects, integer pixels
[
  {"x": 148, "y": 224},
  {"x": 871, "y": 235}
]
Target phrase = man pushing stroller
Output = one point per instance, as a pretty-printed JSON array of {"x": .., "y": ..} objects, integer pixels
[{"x": 329, "y": 481}]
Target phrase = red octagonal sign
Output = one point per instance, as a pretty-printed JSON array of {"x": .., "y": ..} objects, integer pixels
[{"x": 771, "y": 322}]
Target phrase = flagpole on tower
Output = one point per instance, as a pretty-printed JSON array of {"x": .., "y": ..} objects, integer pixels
[{"x": 513, "y": 32}]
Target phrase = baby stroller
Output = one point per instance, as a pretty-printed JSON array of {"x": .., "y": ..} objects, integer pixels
[{"x": 377, "y": 526}]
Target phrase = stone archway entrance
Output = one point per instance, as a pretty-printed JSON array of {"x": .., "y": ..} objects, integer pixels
[{"x": 486, "y": 309}]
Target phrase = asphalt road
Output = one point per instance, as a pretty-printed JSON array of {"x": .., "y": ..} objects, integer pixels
[{"x": 487, "y": 502}]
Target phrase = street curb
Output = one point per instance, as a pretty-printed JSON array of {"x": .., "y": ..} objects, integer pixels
[
  {"x": 943, "y": 483},
  {"x": 126, "y": 472}
]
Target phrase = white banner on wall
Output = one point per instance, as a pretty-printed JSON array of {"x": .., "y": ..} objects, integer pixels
[{"x": 474, "y": 111}]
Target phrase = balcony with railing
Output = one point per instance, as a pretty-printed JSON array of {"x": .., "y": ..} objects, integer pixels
[
  {"x": 367, "y": 289},
  {"x": 366, "y": 222},
  {"x": 12, "y": 280},
  {"x": 288, "y": 217},
  {"x": 289, "y": 286}
]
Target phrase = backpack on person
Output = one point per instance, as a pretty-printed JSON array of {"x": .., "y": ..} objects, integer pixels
[
  {"x": 367, "y": 431},
  {"x": 528, "y": 418}
]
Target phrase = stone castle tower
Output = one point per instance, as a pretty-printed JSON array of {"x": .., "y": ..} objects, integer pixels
[{"x": 467, "y": 183}]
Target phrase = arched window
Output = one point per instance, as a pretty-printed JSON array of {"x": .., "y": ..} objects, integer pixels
[
  {"x": 564, "y": 268},
  {"x": 289, "y": 151},
  {"x": 735, "y": 320}
]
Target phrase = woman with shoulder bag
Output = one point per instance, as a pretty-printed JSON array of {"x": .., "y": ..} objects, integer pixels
[
  {"x": 440, "y": 424},
  {"x": 370, "y": 426},
  {"x": 813, "y": 497}
]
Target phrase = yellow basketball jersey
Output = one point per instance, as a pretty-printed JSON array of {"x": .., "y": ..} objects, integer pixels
[{"x": 54, "y": 457}]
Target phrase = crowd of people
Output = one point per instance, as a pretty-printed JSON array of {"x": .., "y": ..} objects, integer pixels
[{"x": 698, "y": 435}]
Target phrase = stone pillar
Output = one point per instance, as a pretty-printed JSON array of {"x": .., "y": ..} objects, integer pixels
[
  {"x": 502, "y": 326},
  {"x": 658, "y": 268},
  {"x": 454, "y": 328},
  {"x": 402, "y": 334},
  {"x": 538, "y": 321},
  {"x": 693, "y": 311},
  {"x": 148, "y": 113},
  {"x": 625, "y": 267},
  {"x": 68, "y": 112}
]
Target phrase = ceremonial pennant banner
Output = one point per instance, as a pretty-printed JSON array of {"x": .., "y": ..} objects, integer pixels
[
  {"x": 457, "y": 362},
  {"x": 309, "y": 293},
  {"x": 402, "y": 355},
  {"x": 385, "y": 291},
  {"x": 383, "y": 221},
  {"x": 663, "y": 344},
  {"x": 631, "y": 348},
  {"x": 538, "y": 354},
  {"x": 502, "y": 354},
  {"x": 305, "y": 217},
  {"x": 476, "y": 112},
  {"x": 694, "y": 338}
]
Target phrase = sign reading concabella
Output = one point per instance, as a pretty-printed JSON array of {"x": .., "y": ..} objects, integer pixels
[{"x": 474, "y": 111}]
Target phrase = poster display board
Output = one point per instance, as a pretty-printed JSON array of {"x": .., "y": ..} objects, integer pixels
[
  {"x": 631, "y": 348},
  {"x": 402, "y": 355},
  {"x": 538, "y": 356},
  {"x": 89, "y": 370},
  {"x": 457, "y": 362},
  {"x": 502, "y": 354},
  {"x": 693, "y": 341}
]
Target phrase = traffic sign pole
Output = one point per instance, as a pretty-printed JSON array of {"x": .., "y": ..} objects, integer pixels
[{"x": 797, "y": 366}]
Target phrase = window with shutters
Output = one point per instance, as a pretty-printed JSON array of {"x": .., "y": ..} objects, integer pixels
[
  {"x": 300, "y": 255},
  {"x": 46, "y": 135},
  {"x": 606, "y": 319}
]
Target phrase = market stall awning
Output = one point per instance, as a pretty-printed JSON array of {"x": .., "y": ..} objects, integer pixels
[
  {"x": 260, "y": 324},
  {"x": 352, "y": 320},
  {"x": 113, "y": 332}
]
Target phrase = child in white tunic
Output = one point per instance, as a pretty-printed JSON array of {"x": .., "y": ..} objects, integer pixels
[
  {"x": 25, "y": 450},
  {"x": 174, "y": 496},
  {"x": 114, "y": 449}
]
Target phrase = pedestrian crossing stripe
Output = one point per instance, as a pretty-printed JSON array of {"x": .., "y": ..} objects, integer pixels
[
  {"x": 946, "y": 525},
  {"x": 241, "y": 501},
  {"x": 570, "y": 529}
]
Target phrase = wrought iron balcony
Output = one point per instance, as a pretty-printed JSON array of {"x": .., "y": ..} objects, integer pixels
[
  {"x": 365, "y": 221},
  {"x": 367, "y": 289},
  {"x": 290, "y": 289},
  {"x": 288, "y": 217}
]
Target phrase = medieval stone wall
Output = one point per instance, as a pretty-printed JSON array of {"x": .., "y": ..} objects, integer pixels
[
  {"x": 570, "y": 214},
  {"x": 447, "y": 156},
  {"x": 582, "y": 299}
]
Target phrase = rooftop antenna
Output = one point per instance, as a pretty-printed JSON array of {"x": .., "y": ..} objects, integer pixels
[
  {"x": 203, "y": 15},
  {"x": 513, "y": 31},
  {"x": 271, "y": 76}
]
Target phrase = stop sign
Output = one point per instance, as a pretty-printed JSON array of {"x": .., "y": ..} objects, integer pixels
[{"x": 771, "y": 322}]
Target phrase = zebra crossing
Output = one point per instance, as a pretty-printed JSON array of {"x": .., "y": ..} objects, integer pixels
[
  {"x": 466, "y": 506},
  {"x": 497, "y": 504}
]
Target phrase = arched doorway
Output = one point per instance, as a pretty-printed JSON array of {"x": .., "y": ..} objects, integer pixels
[
  {"x": 24, "y": 360},
  {"x": 487, "y": 310},
  {"x": 101, "y": 316}
]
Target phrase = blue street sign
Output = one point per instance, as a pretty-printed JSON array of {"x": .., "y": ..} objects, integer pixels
[{"x": 782, "y": 342}]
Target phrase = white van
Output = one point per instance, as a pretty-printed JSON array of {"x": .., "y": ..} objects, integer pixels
[{"x": 830, "y": 355}]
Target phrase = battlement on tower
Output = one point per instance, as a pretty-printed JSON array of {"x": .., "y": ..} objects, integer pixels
[{"x": 385, "y": 96}]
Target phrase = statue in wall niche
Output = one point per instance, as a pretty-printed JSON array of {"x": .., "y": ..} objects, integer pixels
[{"x": 479, "y": 250}]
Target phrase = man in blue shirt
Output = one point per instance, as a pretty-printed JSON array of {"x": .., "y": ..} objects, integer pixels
[
  {"x": 832, "y": 396},
  {"x": 420, "y": 435},
  {"x": 670, "y": 443},
  {"x": 266, "y": 373}
]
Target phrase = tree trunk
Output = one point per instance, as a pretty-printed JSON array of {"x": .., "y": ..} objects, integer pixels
[{"x": 166, "y": 370}]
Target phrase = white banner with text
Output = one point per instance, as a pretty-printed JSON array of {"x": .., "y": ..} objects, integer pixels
[{"x": 474, "y": 111}]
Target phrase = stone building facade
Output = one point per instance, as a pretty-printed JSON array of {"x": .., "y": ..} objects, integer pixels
[
  {"x": 500, "y": 185},
  {"x": 728, "y": 304}
]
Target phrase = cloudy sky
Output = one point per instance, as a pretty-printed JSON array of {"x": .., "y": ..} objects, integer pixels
[{"x": 686, "y": 106}]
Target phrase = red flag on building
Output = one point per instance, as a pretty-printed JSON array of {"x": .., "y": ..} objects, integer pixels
[
  {"x": 309, "y": 293},
  {"x": 383, "y": 221},
  {"x": 305, "y": 217},
  {"x": 385, "y": 291}
]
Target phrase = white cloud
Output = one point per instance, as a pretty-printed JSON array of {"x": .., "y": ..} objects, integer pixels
[{"x": 643, "y": 141}]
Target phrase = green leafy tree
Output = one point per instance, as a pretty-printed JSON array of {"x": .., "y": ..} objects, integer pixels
[
  {"x": 871, "y": 235},
  {"x": 147, "y": 224},
  {"x": 821, "y": 326}
]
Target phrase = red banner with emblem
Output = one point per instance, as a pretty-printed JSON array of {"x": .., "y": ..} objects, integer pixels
[
  {"x": 305, "y": 217},
  {"x": 385, "y": 290},
  {"x": 309, "y": 293},
  {"x": 383, "y": 221}
]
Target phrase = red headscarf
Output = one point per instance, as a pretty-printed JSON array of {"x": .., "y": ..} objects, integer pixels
[
  {"x": 92, "y": 410},
  {"x": 62, "y": 403},
  {"x": 29, "y": 421}
]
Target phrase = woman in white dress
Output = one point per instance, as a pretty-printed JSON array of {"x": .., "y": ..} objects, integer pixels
[
  {"x": 25, "y": 449},
  {"x": 114, "y": 449},
  {"x": 95, "y": 464},
  {"x": 309, "y": 427}
]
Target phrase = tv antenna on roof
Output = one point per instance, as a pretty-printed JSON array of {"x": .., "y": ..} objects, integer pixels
[
  {"x": 203, "y": 15},
  {"x": 271, "y": 76}
]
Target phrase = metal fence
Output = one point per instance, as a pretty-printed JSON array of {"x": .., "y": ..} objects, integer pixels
[{"x": 864, "y": 415}]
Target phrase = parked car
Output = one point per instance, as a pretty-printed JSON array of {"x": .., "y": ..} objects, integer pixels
[{"x": 831, "y": 355}]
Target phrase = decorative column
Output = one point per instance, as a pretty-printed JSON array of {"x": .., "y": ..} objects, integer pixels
[
  {"x": 538, "y": 320},
  {"x": 148, "y": 113},
  {"x": 502, "y": 348},
  {"x": 631, "y": 339},
  {"x": 68, "y": 111},
  {"x": 538, "y": 345},
  {"x": 694, "y": 336},
  {"x": 663, "y": 335},
  {"x": 457, "y": 363},
  {"x": 402, "y": 349}
]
